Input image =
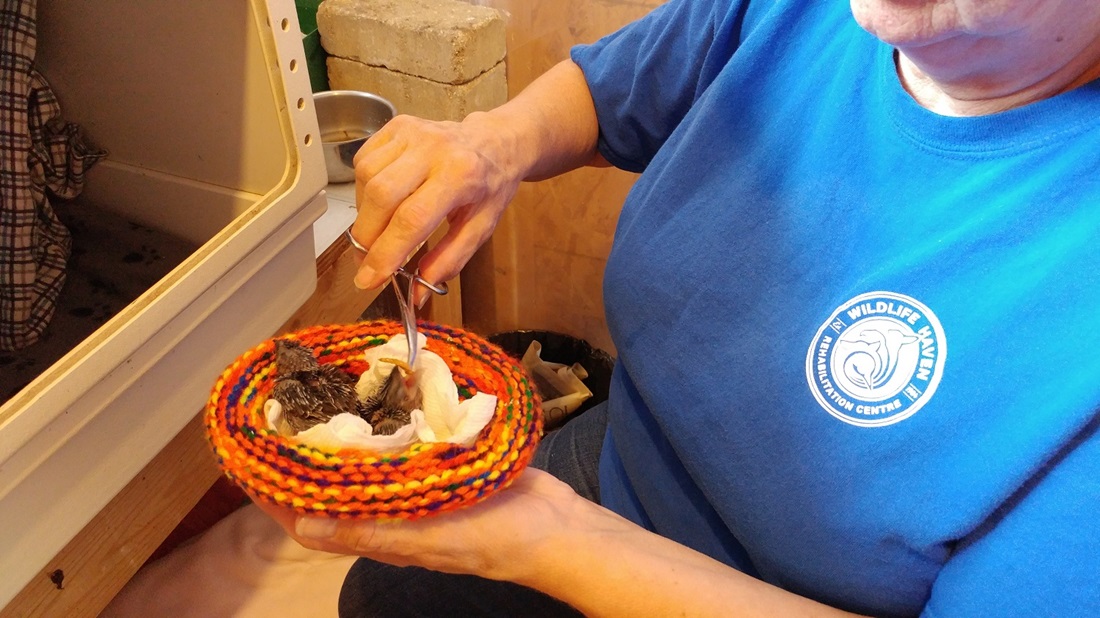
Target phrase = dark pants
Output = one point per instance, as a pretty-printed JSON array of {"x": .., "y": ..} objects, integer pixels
[{"x": 377, "y": 590}]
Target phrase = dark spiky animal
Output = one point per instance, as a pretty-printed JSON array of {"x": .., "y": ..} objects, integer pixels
[
  {"x": 310, "y": 392},
  {"x": 390, "y": 408}
]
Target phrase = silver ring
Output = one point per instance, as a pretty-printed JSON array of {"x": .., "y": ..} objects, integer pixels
[{"x": 440, "y": 289}]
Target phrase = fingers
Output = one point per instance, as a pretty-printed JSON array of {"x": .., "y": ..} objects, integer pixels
[
  {"x": 331, "y": 535},
  {"x": 483, "y": 539},
  {"x": 469, "y": 229},
  {"x": 316, "y": 528},
  {"x": 405, "y": 230},
  {"x": 431, "y": 543},
  {"x": 393, "y": 542},
  {"x": 383, "y": 179},
  {"x": 408, "y": 227},
  {"x": 409, "y": 176},
  {"x": 379, "y": 139}
]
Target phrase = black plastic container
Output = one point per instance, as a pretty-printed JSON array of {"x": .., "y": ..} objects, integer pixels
[{"x": 565, "y": 349}]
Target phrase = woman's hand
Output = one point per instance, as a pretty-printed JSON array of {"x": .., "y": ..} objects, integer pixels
[
  {"x": 413, "y": 174},
  {"x": 541, "y": 534},
  {"x": 494, "y": 538}
]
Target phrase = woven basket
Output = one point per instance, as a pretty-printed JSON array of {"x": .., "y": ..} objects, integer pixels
[{"x": 425, "y": 479}]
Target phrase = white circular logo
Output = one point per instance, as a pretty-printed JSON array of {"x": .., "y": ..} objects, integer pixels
[{"x": 877, "y": 359}]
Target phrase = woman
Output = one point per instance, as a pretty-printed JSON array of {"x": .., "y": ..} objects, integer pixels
[{"x": 826, "y": 208}]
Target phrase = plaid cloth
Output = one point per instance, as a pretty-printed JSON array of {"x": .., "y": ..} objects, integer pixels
[{"x": 38, "y": 152}]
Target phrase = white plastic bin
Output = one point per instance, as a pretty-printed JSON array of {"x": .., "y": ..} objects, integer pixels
[{"x": 206, "y": 110}]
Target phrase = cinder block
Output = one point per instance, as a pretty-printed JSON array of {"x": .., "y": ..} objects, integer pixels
[
  {"x": 422, "y": 97},
  {"x": 446, "y": 41}
]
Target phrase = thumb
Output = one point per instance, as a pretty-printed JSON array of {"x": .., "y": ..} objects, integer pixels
[
  {"x": 356, "y": 536},
  {"x": 316, "y": 528}
]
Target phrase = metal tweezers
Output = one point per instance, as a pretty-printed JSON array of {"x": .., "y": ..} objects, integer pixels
[{"x": 405, "y": 298}]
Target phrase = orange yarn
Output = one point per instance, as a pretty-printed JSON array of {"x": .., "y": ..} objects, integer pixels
[{"x": 425, "y": 479}]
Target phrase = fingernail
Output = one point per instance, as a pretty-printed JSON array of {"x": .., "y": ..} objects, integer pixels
[
  {"x": 422, "y": 297},
  {"x": 315, "y": 527},
  {"x": 364, "y": 278}
]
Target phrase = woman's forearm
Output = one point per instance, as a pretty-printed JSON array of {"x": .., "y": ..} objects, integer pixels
[{"x": 607, "y": 566}]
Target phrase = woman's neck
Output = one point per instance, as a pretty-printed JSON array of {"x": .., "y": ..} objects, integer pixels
[{"x": 973, "y": 76}]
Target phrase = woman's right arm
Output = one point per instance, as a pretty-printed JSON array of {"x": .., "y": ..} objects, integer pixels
[{"x": 414, "y": 173}]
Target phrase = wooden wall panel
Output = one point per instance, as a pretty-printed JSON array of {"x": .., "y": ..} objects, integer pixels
[{"x": 544, "y": 267}]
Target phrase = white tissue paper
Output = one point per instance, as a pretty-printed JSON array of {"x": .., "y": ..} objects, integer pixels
[{"x": 443, "y": 418}]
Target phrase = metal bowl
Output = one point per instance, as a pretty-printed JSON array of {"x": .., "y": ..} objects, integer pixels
[{"x": 346, "y": 119}]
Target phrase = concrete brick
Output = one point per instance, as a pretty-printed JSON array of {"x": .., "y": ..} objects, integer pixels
[
  {"x": 446, "y": 41},
  {"x": 422, "y": 97}
]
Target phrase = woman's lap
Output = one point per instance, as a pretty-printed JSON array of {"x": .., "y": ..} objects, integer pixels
[
  {"x": 380, "y": 590},
  {"x": 572, "y": 453}
]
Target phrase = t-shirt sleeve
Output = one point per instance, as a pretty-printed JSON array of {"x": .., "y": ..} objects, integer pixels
[
  {"x": 646, "y": 76},
  {"x": 1040, "y": 554}
]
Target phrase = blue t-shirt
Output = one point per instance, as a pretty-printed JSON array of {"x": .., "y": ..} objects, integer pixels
[{"x": 859, "y": 342}]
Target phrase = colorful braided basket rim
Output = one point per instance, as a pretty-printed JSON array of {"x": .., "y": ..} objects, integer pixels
[{"x": 425, "y": 479}]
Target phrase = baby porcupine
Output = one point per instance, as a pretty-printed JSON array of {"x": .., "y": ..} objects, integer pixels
[
  {"x": 310, "y": 393},
  {"x": 390, "y": 408}
]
